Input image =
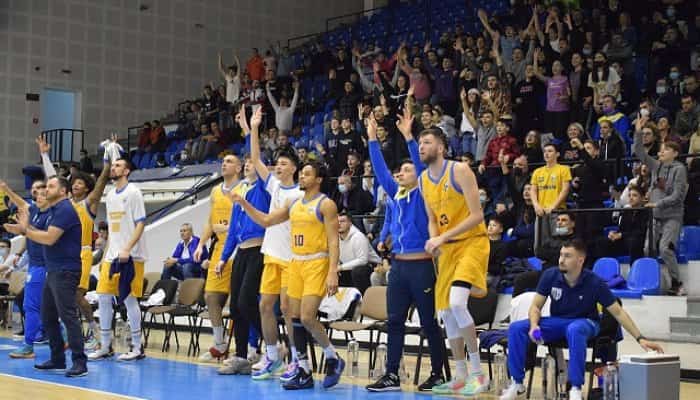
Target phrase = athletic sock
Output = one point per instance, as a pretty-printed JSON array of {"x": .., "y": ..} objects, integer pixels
[
  {"x": 475, "y": 363},
  {"x": 218, "y": 335},
  {"x": 330, "y": 352},
  {"x": 134, "y": 315},
  {"x": 461, "y": 369},
  {"x": 106, "y": 313},
  {"x": 272, "y": 352},
  {"x": 300, "y": 340},
  {"x": 295, "y": 355}
]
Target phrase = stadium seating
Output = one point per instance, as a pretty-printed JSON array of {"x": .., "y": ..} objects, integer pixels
[{"x": 644, "y": 279}]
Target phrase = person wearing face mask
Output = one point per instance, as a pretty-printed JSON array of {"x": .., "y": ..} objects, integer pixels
[
  {"x": 603, "y": 80},
  {"x": 353, "y": 199},
  {"x": 526, "y": 104},
  {"x": 669, "y": 180},
  {"x": 666, "y": 98},
  {"x": 590, "y": 183}
]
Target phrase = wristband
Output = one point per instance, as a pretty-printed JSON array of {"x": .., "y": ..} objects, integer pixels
[{"x": 640, "y": 337}]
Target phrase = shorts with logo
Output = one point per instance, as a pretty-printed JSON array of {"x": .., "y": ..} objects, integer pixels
[
  {"x": 307, "y": 277},
  {"x": 275, "y": 276}
]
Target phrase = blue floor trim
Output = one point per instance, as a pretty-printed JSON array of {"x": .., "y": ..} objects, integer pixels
[{"x": 153, "y": 378}]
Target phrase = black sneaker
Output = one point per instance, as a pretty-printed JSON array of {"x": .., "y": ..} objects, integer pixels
[
  {"x": 387, "y": 383},
  {"x": 77, "y": 370},
  {"x": 302, "y": 380},
  {"x": 432, "y": 381},
  {"x": 50, "y": 366}
]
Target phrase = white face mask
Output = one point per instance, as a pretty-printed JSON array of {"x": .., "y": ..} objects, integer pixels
[
  {"x": 561, "y": 231},
  {"x": 4, "y": 252}
]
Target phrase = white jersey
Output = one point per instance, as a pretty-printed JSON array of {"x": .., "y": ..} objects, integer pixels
[
  {"x": 125, "y": 209},
  {"x": 278, "y": 238}
]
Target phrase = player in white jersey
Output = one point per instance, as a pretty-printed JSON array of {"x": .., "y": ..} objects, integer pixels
[
  {"x": 277, "y": 249},
  {"x": 126, "y": 216}
]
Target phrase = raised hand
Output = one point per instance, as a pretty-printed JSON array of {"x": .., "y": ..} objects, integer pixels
[
  {"x": 404, "y": 123},
  {"x": 411, "y": 90},
  {"x": 242, "y": 121},
  {"x": 44, "y": 147},
  {"x": 463, "y": 94},
  {"x": 371, "y": 127},
  {"x": 256, "y": 119},
  {"x": 236, "y": 197}
]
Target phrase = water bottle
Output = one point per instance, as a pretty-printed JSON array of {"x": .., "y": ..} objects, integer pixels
[
  {"x": 562, "y": 375},
  {"x": 380, "y": 363},
  {"x": 403, "y": 373},
  {"x": 354, "y": 358},
  {"x": 610, "y": 382},
  {"x": 549, "y": 378},
  {"x": 500, "y": 371},
  {"x": 537, "y": 335}
]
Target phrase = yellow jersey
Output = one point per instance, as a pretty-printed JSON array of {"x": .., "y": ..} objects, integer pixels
[
  {"x": 444, "y": 198},
  {"x": 221, "y": 208},
  {"x": 87, "y": 222},
  {"x": 3, "y": 207},
  {"x": 308, "y": 231},
  {"x": 550, "y": 182}
]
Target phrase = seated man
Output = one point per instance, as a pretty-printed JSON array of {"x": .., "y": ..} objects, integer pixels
[
  {"x": 575, "y": 293},
  {"x": 357, "y": 257},
  {"x": 181, "y": 264}
]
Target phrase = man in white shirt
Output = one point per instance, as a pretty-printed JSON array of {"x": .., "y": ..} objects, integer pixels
[
  {"x": 357, "y": 256},
  {"x": 126, "y": 216}
]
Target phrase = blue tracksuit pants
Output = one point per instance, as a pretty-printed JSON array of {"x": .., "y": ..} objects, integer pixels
[{"x": 36, "y": 276}]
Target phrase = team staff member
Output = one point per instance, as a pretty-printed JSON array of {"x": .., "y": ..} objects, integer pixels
[
  {"x": 61, "y": 245},
  {"x": 313, "y": 272},
  {"x": 412, "y": 278},
  {"x": 458, "y": 239}
]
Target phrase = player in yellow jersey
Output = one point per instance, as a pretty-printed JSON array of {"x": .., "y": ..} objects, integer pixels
[
  {"x": 217, "y": 287},
  {"x": 313, "y": 271},
  {"x": 86, "y": 194},
  {"x": 458, "y": 240}
]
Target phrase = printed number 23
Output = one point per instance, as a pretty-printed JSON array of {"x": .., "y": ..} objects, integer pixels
[{"x": 298, "y": 240}]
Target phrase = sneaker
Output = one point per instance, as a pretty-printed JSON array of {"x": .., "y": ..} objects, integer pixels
[
  {"x": 334, "y": 370},
  {"x": 206, "y": 357},
  {"x": 132, "y": 355},
  {"x": 42, "y": 340},
  {"x": 238, "y": 366},
  {"x": 575, "y": 394},
  {"x": 260, "y": 364},
  {"x": 476, "y": 383},
  {"x": 432, "y": 381},
  {"x": 26, "y": 351},
  {"x": 270, "y": 369},
  {"x": 514, "y": 392},
  {"x": 218, "y": 351},
  {"x": 91, "y": 343},
  {"x": 77, "y": 370},
  {"x": 301, "y": 380},
  {"x": 17, "y": 336},
  {"x": 229, "y": 360},
  {"x": 101, "y": 354},
  {"x": 387, "y": 383},
  {"x": 51, "y": 366},
  {"x": 253, "y": 356},
  {"x": 452, "y": 387},
  {"x": 290, "y": 373}
]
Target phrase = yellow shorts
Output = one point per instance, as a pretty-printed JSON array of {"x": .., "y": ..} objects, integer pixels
[
  {"x": 467, "y": 261},
  {"x": 86, "y": 260},
  {"x": 214, "y": 283},
  {"x": 307, "y": 278},
  {"x": 274, "y": 276},
  {"x": 111, "y": 286}
]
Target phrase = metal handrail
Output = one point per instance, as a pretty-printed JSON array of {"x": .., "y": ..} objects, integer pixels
[{"x": 55, "y": 137}]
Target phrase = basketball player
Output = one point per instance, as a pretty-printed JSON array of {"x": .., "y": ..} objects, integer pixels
[
  {"x": 277, "y": 248},
  {"x": 126, "y": 215},
  {"x": 86, "y": 195},
  {"x": 36, "y": 274},
  {"x": 244, "y": 236},
  {"x": 313, "y": 271},
  {"x": 217, "y": 287},
  {"x": 458, "y": 240}
]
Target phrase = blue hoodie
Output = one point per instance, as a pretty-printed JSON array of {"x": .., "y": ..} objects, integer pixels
[
  {"x": 409, "y": 222},
  {"x": 242, "y": 227}
]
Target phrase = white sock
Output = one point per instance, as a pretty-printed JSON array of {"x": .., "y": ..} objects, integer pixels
[
  {"x": 133, "y": 313},
  {"x": 329, "y": 352},
  {"x": 272, "y": 352},
  {"x": 218, "y": 335},
  {"x": 461, "y": 369},
  {"x": 295, "y": 355},
  {"x": 304, "y": 364},
  {"x": 475, "y": 363},
  {"x": 106, "y": 313}
]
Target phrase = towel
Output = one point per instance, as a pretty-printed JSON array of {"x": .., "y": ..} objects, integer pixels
[{"x": 126, "y": 275}]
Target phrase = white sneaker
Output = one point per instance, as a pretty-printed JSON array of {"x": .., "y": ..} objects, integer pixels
[
  {"x": 513, "y": 392},
  {"x": 132, "y": 355},
  {"x": 101, "y": 354},
  {"x": 229, "y": 360},
  {"x": 575, "y": 394},
  {"x": 254, "y": 357},
  {"x": 206, "y": 357},
  {"x": 260, "y": 364}
]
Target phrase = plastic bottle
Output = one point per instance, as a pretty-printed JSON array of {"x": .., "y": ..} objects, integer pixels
[
  {"x": 354, "y": 358},
  {"x": 537, "y": 335},
  {"x": 403, "y": 373},
  {"x": 610, "y": 382},
  {"x": 549, "y": 378},
  {"x": 380, "y": 363},
  {"x": 500, "y": 371}
]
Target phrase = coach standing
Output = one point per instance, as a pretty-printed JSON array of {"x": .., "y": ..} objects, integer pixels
[{"x": 62, "y": 248}]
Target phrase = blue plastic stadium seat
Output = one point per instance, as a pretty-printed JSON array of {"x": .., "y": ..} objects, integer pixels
[
  {"x": 507, "y": 290},
  {"x": 535, "y": 263},
  {"x": 644, "y": 279},
  {"x": 689, "y": 244},
  {"x": 606, "y": 268},
  {"x": 145, "y": 160}
]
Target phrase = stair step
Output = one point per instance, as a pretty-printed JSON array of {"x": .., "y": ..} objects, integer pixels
[
  {"x": 685, "y": 326},
  {"x": 693, "y": 306}
]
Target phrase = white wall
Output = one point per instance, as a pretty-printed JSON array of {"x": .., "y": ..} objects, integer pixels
[{"x": 130, "y": 66}]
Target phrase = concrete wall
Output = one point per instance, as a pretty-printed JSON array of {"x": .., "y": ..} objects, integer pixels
[{"x": 129, "y": 65}]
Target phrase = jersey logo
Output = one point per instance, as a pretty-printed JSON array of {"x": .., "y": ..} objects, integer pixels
[
  {"x": 556, "y": 293},
  {"x": 444, "y": 220},
  {"x": 445, "y": 187}
]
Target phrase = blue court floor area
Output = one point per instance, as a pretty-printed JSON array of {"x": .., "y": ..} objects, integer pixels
[{"x": 154, "y": 378}]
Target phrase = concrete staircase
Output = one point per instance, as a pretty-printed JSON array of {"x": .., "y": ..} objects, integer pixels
[{"x": 687, "y": 329}]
